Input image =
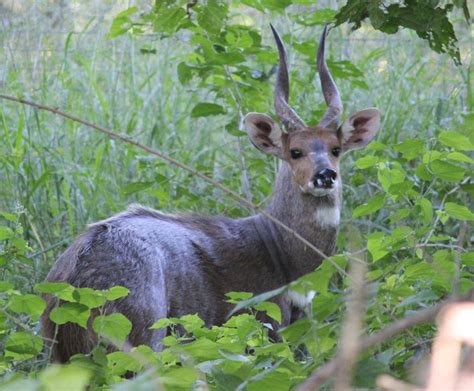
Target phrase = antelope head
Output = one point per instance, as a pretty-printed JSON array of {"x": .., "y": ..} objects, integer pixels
[{"x": 313, "y": 152}]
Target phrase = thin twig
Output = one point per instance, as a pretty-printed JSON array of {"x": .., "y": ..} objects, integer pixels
[
  {"x": 457, "y": 259},
  {"x": 181, "y": 165}
]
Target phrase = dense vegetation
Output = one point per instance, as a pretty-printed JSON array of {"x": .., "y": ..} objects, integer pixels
[{"x": 178, "y": 77}]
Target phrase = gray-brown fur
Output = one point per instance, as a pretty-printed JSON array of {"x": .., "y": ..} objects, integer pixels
[
  {"x": 176, "y": 265},
  {"x": 181, "y": 264}
]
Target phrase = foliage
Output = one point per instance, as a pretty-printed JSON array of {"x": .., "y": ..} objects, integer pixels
[
  {"x": 408, "y": 192},
  {"x": 427, "y": 18}
]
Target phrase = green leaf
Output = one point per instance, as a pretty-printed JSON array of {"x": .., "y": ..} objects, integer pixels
[
  {"x": 373, "y": 205},
  {"x": 116, "y": 292},
  {"x": 377, "y": 245},
  {"x": 271, "y": 309},
  {"x": 168, "y": 19},
  {"x": 426, "y": 209},
  {"x": 316, "y": 17},
  {"x": 253, "y": 301},
  {"x": 212, "y": 16},
  {"x": 447, "y": 171},
  {"x": 122, "y": 23},
  {"x": 178, "y": 378},
  {"x": 28, "y": 304},
  {"x": 163, "y": 322},
  {"x": 6, "y": 286},
  {"x": 366, "y": 162},
  {"x": 205, "y": 109},
  {"x": 23, "y": 345},
  {"x": 459, "y": 212},
  {"x": 115, "y": 327},
  {"x": 65, "y": 377},
  {"x": 5, "y": 233},
  {"x": 456, "y": 140},
  {"x": 235, "y": 297},
  {"x": 467, "y": 258},
  {"x": 120, "y": 362},
  {"x": 200, "y": 349},
  {"x": 410, "y": 149},
  {"x": 89, "y": 297},
  {"x": 70, "y": 312},
  {"x": 459, "y": 157},
  {"x": 61, "y": 290}
]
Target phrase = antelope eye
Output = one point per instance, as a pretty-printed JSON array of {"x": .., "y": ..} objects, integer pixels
[
  {"x": 336, "y": 151},
  {"x": 295, "y": 153}
]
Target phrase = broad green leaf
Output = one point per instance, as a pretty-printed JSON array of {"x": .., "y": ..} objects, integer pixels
[
  {"x": 373, "y": 205},
  {"x": 426, "y": 209},
  {"x": 178, "y": 378},
  {"x": 212, "y": 15},
  {"x": 459, "y": 157},
  {"x": 191, "y": 322},
  {"x": 316, "y": 17},
  {"x": 253, "y": 301},
  {"x": 390, "y": 177},
  {"x": 235, "y": 297},
  {"x": 468, "y": 258},
  {"x": 168, "y": 19},
  {"x": 116, "y": 292},
  {"x": 200, "y": 349},
  {"x": 6, "y": 286},
  {"x": 115, "y": 327},
  {"x": 447, "y": 171},
  {"x": 271, "y": 309},
  {"x": 459, "y": 212},
  {"x": 23, "y": 345},
  {"x": 61, "y": 290},
  {"x": 366, "y": 162},
  {"x": 204, "y": 109},
  {"x": 89, "y": 297},
  {"x": 71, "y": 377},
  {"x": 71, "y": 312},
  {"x": 28, "y": 304},
  {"x": 270, "y": 380},
  {"x": 5, "y": 233},
  {"x": 122, "y": 23},
  {"x": 121, "y": 362},
  {"x": 377, "y": 245},
  {"x": 410, "y": 149},
  {"x": 164, "y": 322},
  {"x": 8, "y": 216},
  {"x": 456, "y": 140}
]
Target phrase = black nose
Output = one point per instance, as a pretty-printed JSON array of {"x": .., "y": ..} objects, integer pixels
[{"x": 325, "y": 178}]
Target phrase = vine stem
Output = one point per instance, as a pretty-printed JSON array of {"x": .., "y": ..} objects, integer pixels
[{"x": 181, "y": 165}]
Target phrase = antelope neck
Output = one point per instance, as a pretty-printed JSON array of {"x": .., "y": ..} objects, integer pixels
[{"x": 298, "y": 211}]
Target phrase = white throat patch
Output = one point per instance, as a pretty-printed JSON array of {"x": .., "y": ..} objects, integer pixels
[
  {"x": 299, "y": 300},
  {"x": 327, "y": 216}
]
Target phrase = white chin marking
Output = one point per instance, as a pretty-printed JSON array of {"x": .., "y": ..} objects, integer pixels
[
  {"x": 299, "y": 300},
  {"x": 319, "y": 192},
  {"x": 327, "y": 216}
]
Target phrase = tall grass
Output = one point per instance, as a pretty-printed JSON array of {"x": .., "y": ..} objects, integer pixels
[{"x": 64, "y": 176}]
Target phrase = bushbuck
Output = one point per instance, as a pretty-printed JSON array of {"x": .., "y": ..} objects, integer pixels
[{"x": 184, "y": 264}]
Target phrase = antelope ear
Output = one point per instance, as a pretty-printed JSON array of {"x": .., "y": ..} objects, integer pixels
[
  {"x": 359, "y": 129},
  {"x": 265, "y": 133}
]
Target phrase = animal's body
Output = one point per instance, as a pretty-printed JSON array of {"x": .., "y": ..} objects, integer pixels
[{"x": 180, "y": 264}]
